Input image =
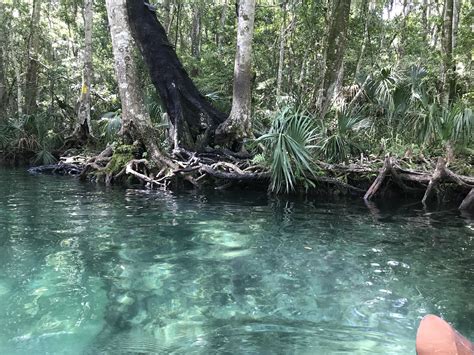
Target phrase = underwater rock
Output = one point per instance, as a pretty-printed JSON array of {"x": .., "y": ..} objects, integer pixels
[{"x": 125, "y": 300}]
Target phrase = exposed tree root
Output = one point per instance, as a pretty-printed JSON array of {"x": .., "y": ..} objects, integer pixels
[
  {"x": 132, "y": 168},
  {"x": 98, "y": 163},
  {"x": 443, "y": 174},
  {"x": 222, "y": 169},
  {"x": 402, "y": 178},
  {"x": 468, "y": 202},
  {"x": 374, "y": 188}
]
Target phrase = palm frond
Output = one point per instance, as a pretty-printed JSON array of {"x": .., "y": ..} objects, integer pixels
[{"x": 290, "y": 139}]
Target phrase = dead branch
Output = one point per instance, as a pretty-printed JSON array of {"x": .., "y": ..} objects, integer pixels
[{"x": 133, "y": 164}]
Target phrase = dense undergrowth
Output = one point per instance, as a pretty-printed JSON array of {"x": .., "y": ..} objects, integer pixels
[{"x": 392, "y": 113}]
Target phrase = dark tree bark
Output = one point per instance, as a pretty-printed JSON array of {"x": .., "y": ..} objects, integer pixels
[{"x": 193, "y": 119}]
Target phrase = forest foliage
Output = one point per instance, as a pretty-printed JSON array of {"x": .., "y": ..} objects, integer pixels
[{"x": 399, "y": 88}]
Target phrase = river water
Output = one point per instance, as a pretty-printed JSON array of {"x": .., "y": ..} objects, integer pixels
[{"x": 86, "y": 269}]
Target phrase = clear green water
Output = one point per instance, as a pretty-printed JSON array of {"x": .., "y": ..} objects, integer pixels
[{"x": 87, "y": 270}]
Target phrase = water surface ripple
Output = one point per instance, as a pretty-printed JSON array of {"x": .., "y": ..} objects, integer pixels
[{"x": 87, "y": 270}]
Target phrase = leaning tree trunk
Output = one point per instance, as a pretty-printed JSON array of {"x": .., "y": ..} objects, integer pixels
[
  {"x": 193, "y": 120},
  {"x": 238, "y": 124},
  {"x": 83, "y": 129},
  {"x": 336, "y": 46},
  {"x": 31, "y": 81}
]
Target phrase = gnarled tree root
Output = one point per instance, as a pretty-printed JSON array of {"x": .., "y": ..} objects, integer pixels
[
  {"x": 223, "y": 169},
  {"x": 431, "y": 183},
  {"x": 468, "y": 203},
  {"x": 443, "y": 174},
  {"x": 98, "y": 163}
]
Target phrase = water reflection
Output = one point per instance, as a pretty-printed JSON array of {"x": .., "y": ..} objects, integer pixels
[{"x": 96, "y": 270}]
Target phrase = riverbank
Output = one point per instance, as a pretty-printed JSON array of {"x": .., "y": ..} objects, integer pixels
[{"x": 431, "y": 181}]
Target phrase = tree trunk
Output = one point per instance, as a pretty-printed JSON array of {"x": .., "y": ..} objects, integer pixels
[
  {"x": 192, "y": 118},
  {"x": 424, "y": 19},
  {"x": 136, "y": 123},
  {"x": 366, "y": 15},
  {"x": 178, "y": 21},
  {"x": 320, "y": 58},
  {"x": 238, "y": 124},
  {"x": 31, "y": 81},
  {"x": 196, "y": 39},
  {"x": 3, "y": 99},
  {"x": 221, "y": 29},
  {"x": 83, "y": 128},
  {"x": 196, "y": 33},
  {"x": 166, "y": 15},
  {"x": 456, "y": 16},
  {"x": 281, "y": 57},
  {"x": 448, "y": 75},
  {"x": 19, "y": 87},
  {"x": 336, "y": 45}
]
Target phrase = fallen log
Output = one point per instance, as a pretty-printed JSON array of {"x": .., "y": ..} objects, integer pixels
[{"x": 57, "y": 169}]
